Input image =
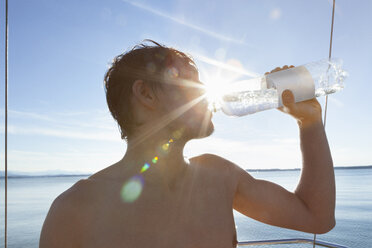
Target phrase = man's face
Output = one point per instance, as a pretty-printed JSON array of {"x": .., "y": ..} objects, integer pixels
[{"x": 183, "y": 99}]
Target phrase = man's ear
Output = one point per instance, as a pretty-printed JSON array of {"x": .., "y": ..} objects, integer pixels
[{"x": 144, "y": 94}]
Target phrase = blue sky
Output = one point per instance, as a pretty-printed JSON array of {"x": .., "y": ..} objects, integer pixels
[{"x": 60, "y": 50}]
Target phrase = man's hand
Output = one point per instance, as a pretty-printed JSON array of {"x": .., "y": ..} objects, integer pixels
[{"x": 306, "y": 113}]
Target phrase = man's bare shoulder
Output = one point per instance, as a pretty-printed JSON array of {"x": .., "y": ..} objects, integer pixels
[
  {"x": 74, "y": 195},
  {"x": 71, "y": 200},
  {"x": 61, "y": 226},
  {"x": 213, "y": 161},
  {"x": 112, "y": 173},
  {"x": 219, "y": 167}
]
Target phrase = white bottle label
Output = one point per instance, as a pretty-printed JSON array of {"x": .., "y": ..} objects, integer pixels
[{"x": 297, "y": 79}]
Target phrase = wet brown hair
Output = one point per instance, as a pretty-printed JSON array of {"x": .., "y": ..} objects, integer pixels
[{"x": 145, "y": 62}]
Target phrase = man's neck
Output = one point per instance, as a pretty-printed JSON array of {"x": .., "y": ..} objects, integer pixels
[{"x": 160, "y": 155}]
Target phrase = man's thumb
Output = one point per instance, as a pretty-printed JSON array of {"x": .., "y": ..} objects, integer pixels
[{"x": 288, "y": 98}]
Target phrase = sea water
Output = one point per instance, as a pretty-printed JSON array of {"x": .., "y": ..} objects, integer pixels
[
  {"x": 29, "y": 200},
  {"x": 353, "y": 210}
]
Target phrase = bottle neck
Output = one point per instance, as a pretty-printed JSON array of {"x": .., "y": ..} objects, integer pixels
[{"x": 214, "y": 106}]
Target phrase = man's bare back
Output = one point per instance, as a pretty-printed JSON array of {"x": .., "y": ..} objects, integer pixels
[{"x": 196, "y": 212}]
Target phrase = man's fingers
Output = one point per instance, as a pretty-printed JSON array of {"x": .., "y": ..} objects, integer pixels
[
  {"x": 280, "y": 69},
  {"x": 276, "y": 69}
]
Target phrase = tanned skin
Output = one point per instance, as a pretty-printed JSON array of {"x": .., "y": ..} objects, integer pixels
[{"x": 189, "y": 203}]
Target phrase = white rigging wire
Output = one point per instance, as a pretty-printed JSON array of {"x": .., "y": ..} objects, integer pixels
[
  {"x": 6, "y": 124},
  {"x": 329, "y": 59}
]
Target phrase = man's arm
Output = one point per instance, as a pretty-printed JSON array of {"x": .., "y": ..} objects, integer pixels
[{"x": 310, "y": 208}]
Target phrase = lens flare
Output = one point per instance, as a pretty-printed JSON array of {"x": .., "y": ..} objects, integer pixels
[
  {"x": 165, "y": 147},
  {"x": 145, "y": 167},
  {"x": 132, "y": 189},
  {"x": 172, "y": 72},
  {"x": 178, "y": 133},
  {"x": 155, "y": 160},
  {"x": 165, "y": 120}
]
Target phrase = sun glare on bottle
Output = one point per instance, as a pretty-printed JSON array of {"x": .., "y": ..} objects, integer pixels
[
  {"x": 217, "y": 79},
  {"x": 215, "y": 89}
]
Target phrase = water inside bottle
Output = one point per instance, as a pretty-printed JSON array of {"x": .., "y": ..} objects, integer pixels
[
  {"x": 331, "y": 77},
  {"x": 328, "y": 90},
  {"x": 249, "y": 102}
]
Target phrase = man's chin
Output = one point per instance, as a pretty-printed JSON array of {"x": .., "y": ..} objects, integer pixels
[
  {"x": 193, "y": 130},
  {"x": 205, "y": 132}
]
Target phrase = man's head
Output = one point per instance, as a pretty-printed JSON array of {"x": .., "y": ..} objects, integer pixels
[{"x": 160, "y": 86}]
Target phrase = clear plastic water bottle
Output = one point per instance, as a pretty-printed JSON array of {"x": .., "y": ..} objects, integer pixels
[{"x": 306, "y": 82}]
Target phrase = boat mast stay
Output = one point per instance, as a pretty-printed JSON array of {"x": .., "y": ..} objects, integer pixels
[
  {"x": 329, "y": 58},
  {"x": 6, "y": 123}
]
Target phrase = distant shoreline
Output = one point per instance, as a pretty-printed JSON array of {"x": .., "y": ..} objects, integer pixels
[
  {"x": 15, "y": 174},
  {"x": 32, "y": 176}
]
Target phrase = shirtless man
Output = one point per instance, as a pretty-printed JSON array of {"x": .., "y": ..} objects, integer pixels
[{"x": 154, "y": 197}]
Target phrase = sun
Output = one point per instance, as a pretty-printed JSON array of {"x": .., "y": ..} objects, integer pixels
[
  {"x": 216, "y": 85},
  {"x": 221, "y": 78},
  {"x": 215, "y": 89}
]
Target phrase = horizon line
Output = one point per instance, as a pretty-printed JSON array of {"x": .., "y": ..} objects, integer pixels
[{"x": 20, "y": 174}]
